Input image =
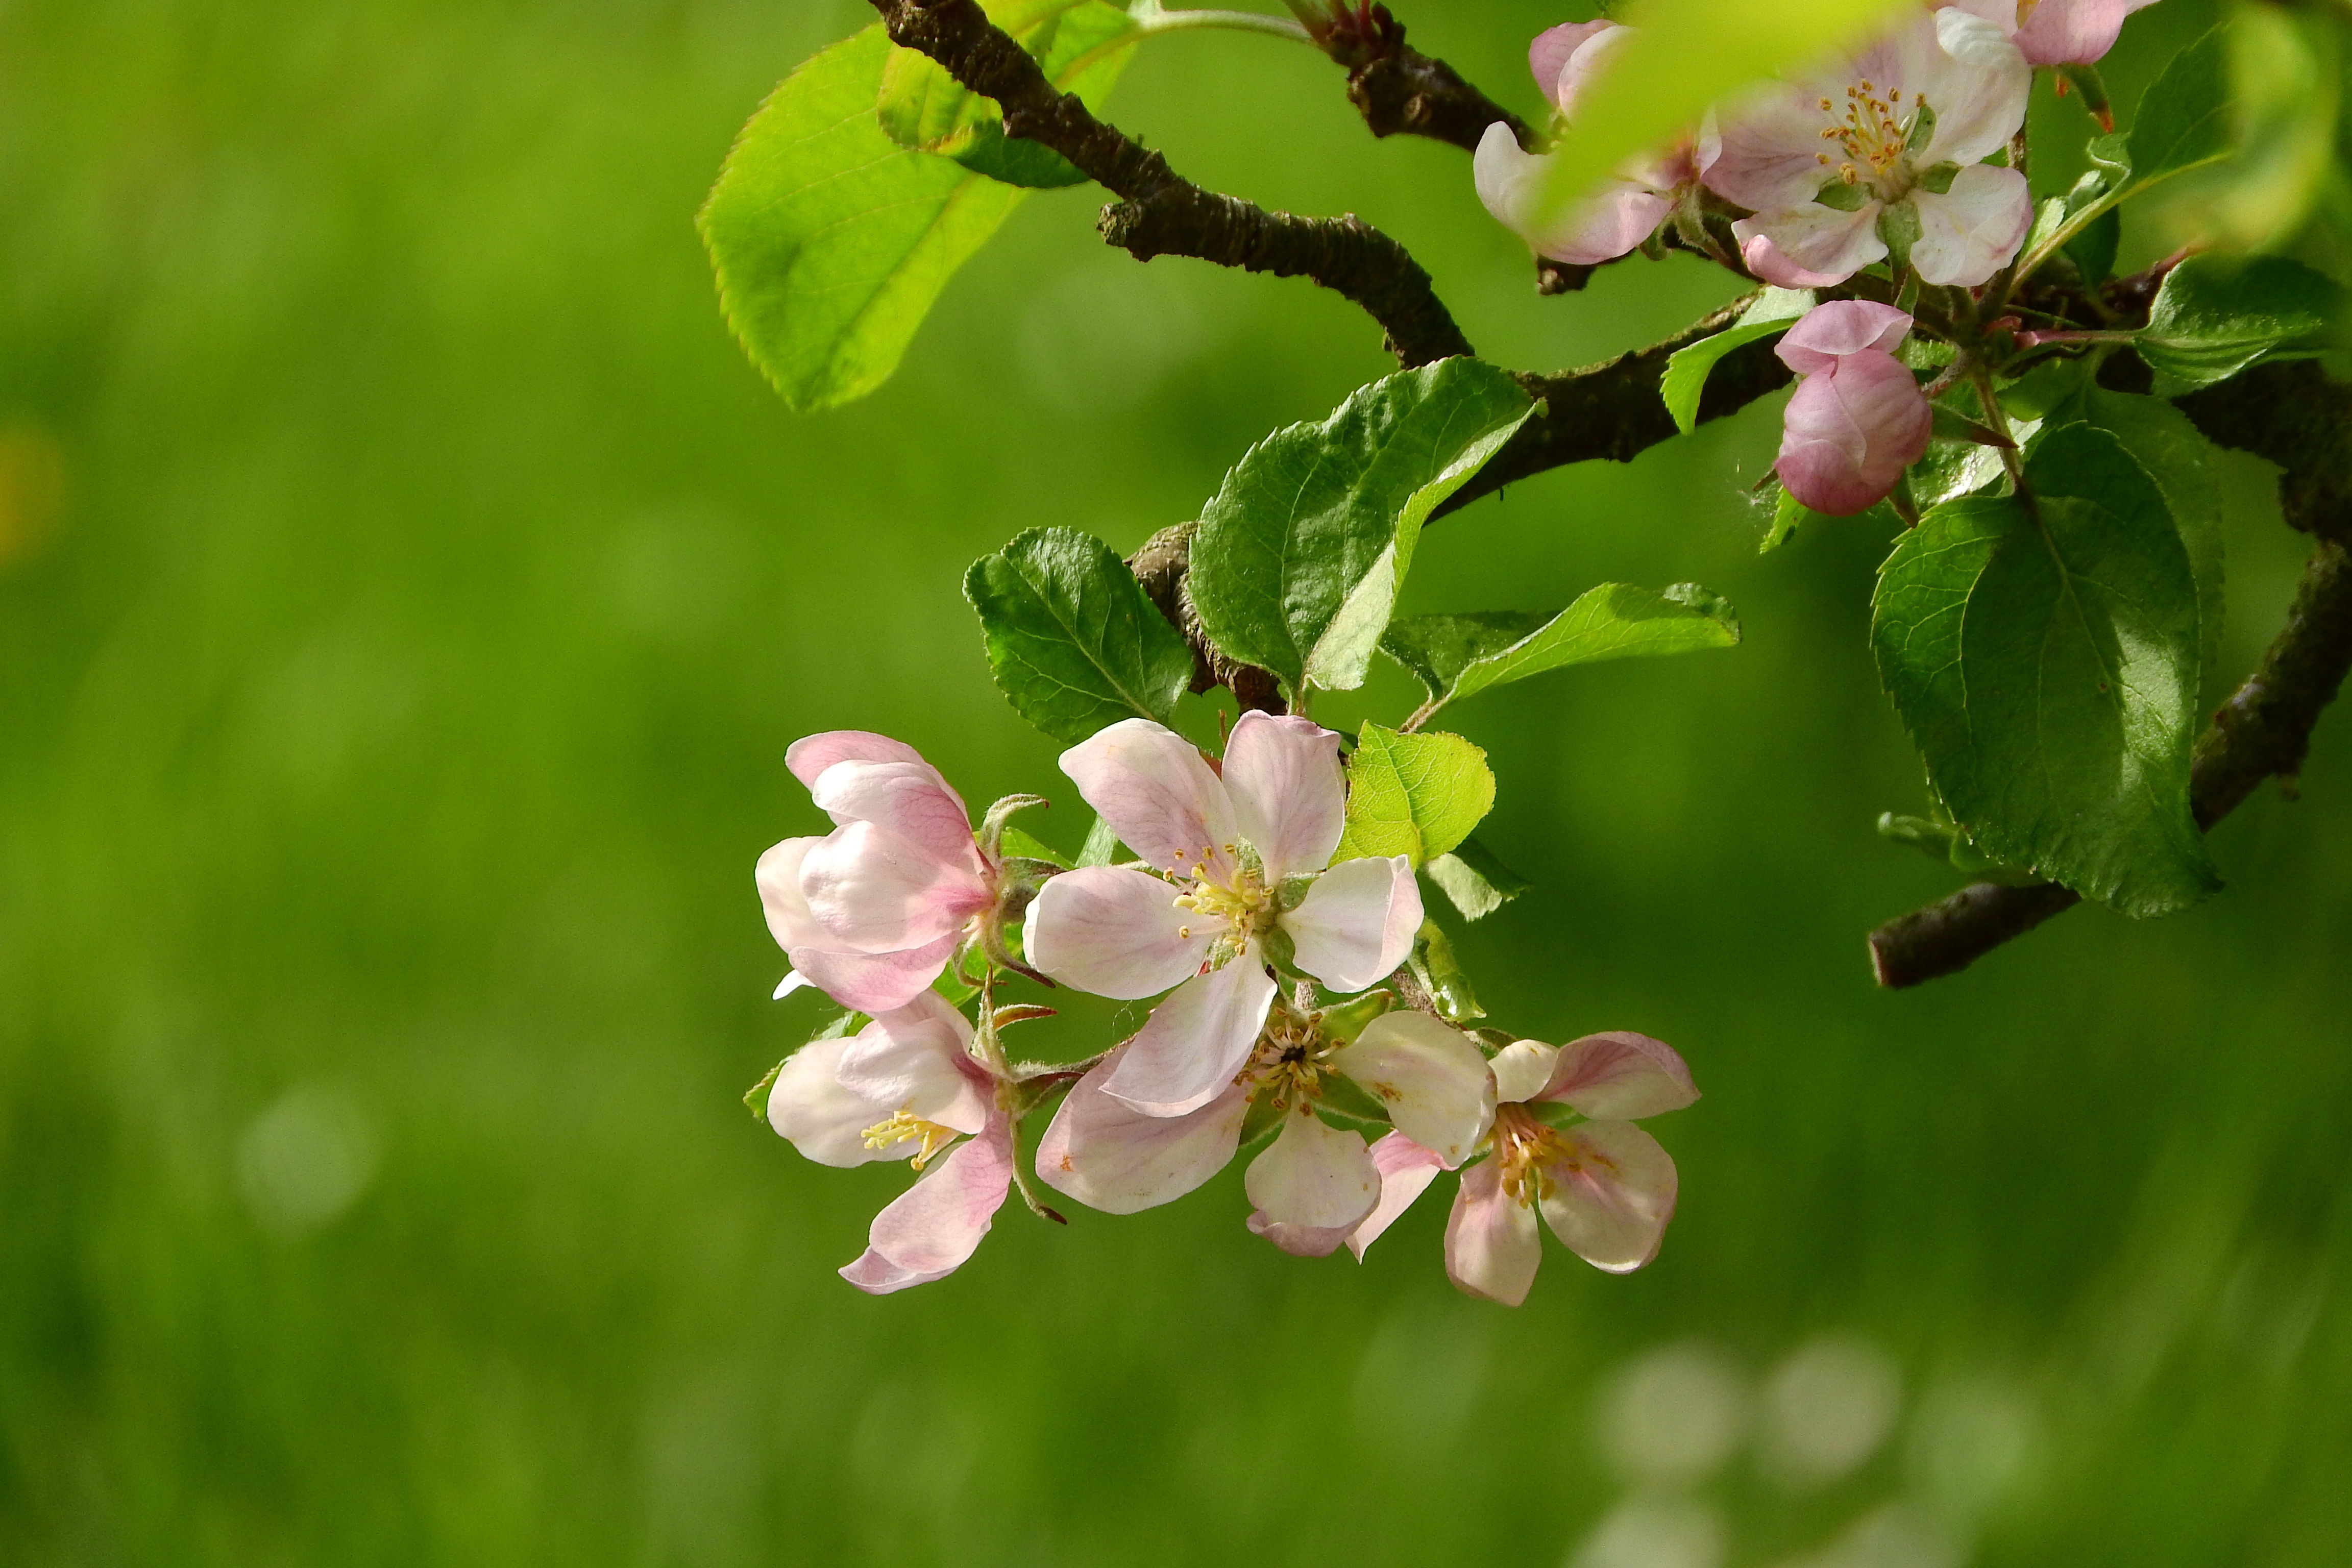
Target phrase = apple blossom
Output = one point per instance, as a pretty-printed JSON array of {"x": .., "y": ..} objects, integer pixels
[
  {"x": 905, "y": 1085},
  {"x": 1236, "y": 868},
  {"x": 871, "y": 912},
  {"x": 1603, "y": 1185},
  {"x": 1513, "y": 182},
  {"x": 2057, "y": 32},
  {"x": 1887, "y": 146},
  {"x": 1857, "y": 419}
]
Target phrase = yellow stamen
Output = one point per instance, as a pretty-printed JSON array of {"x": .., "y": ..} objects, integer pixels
[{"x": 904, "y": 1126}]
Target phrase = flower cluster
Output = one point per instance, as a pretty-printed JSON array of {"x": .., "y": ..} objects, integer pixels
[{"x": 1272, "y": 1025}]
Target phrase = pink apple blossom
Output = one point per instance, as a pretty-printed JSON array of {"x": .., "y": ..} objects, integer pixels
[
  {"x": 2057, "y": 32},
  {"x": 1603, "y": 1185},
  {"x": 905, "y": 1086},
  {"x": 1514, "y": 183},
  {"x": 1857, "y": 419},
  {"x": 1896, "y": 137},
  {"x": 871, "y": 912},
  {"x": 1230, "y": 860},
  {"x": 1315, "y": 1183}
]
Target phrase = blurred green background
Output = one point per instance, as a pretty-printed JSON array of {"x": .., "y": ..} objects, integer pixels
[{"x": 407, "y": 592}]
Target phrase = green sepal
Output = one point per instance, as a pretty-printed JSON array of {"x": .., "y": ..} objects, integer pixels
[{"x": 1342, "y": 1022}]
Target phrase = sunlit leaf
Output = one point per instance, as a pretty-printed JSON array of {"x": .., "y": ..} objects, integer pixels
[
  {"x": 1461, "y": 655},
  {"x": 1415, "y": 795},
  {"x": 1774, "y": 310},
  {"x": 1071, "y": 641},
  {"x": 1477, "y": 883},
  {"x": 1082, "y": 44}
]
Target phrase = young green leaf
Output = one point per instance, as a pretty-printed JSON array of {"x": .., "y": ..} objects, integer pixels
[
  {"x": 1299, "y": 557},
  {"x": 1082, "y": 44},
  {"x": 1774, "y": 310},
  {"x": 1461, "y": 655},
  {"x": 1415, "y": 795},
  {"x": 1071, "y": 641},
  {"x": 2216, "y": 315},
  {"x": 2043, "y": 652},
  {"x": 1476, "y": 882}
]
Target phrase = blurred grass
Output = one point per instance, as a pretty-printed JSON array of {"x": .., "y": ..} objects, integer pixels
[{"x": 406, "y": 594}]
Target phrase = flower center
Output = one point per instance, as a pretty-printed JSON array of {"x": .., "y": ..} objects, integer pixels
[
  {"x": 1288, "y": 1065},
  {"x": 1523, "y": 1147},
  {"x": 905, "y": 1126},
  {"x": 1244, "y": 904},
  {"x": 1871, "y": 136}
]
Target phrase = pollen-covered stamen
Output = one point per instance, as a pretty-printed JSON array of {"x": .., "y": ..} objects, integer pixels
[
  {"x": 905, "y": 1126},
  {"x": 1873, "y": 133},
  {"x": 1244, "y": 905},
  {"x": 1523, "y": 1147},
  {"x": 1288, "y": 1066}
]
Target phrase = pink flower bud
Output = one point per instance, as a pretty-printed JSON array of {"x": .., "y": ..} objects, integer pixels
[{"x": 1858, "y": 418}]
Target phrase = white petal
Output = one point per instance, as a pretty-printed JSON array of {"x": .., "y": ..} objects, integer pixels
[
  {"x": 1356, "y": 922},
  {"x": 1111, "y": 1156},
  {"x": 1431, "y": 1077},
  {"x": 911, "y": 799},
  {"x": 1809, "y": 246},
  {"x": 1521, "y": 1070},
  {"x": 778, "y": 878},
  {"x": 1491, "y": 1245},
  {"x": 914, "y": 1059},
  {"x": 1159, "y": 795},
  {"x": 1116, "y": 931},
  {"x": 938, "y": 1223},
  {"x": 1767, "y": 154},
  {"x": 1585, "y": 64},
  {"x": 1298, "y": 1240},
  {"x": 1194, "y": 1042},
  {"x": 809, "y": 1109},
  {"x": 1620, "y": 1077},
  {"x": 1976, "y": 83},
  {"x": 1511, "y": 183},
  {"x": 1406, "y": 1170},
  {"x": 875, "y": 983},
  {"x": 1314, "y": 1176},
  {"x": 872, "y": 891},
  {"x": 792, "y": 981},
  {"x": 1970, "y": 233},
  {"x": 1289, "y": 798},
  {"x": 1610, "y": 1194},
  {"x": 812, "y": 754}
]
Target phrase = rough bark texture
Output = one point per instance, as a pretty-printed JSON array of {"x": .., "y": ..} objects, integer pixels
[{"x": 1161, "y": 567}]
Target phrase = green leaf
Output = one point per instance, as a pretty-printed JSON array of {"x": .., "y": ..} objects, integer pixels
[
  {"x": 1461, "y": 655},
  {"x": 1415, "y": 795},
  {"x": 1299, "y": 557},
  {"x": 2165, "y": 442},
  {"x": 1101, "y": 845},
  {"x": 2183, "y": 120},
  {"x": 1788, "y": 514},
  {"x": 1774, "y": 310},
  {"x": 2044, "y": 659},
  {"x": 1476, "y": 882},
  {"x": 1028, "y": 846},
  {"x": 1441, "y": 975},
  {"x": 2216, "y": 315},
  {"x": 1082, "y": 44},
  {"x": 1071, "y": 641}
]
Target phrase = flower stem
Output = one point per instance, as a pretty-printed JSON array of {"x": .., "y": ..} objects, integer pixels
[{"x": 1150, "y": 16}]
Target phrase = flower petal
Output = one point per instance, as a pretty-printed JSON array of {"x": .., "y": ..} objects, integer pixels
[
  {"x": 1159, "y": 795},
  {"x": 1356, "y": 922},
  {"x": 1551, "y": 50},
  {"x": 1432, "y": 1078},
  {"x": 1491, "y": 1245},
  {"x": 1290, "y": 800},
  {"x": 914, "y": 1058},
  {"x": 1601, "y": 228},
  {"x": 932, "y": 1227},
  {"x": 812, "y": 754},
  {"x": 1848, "y": 433},
  {"x": 810, "y": 1109},
  {"x": 778, "y": 878},
  {"x": 1584, "y": 64},
  {"x": 1194, "y": 1042},
  {"x": 1116, "y": 931},
  {"x": 1827, "y": 333},
  {"x": 1298, "y": 1240},
  {"x": 875, "y": 983},
  {"x": 1977, "y": 82},
  {"x": 1111, "y": 1156},
  {"x": 1809, "y": 246},
  {"x": 1406, "y": 1170},
  {"x": 1611, "y": 1193},
  {"x": 1968, "y": 233},
  {"x": 2073, "y": 32},
  {"x": 872, "y": 891},
  {"x": 1769, "y": 153},
  {"x": 1521, "y": 1070},
  {"x": 1314, "y": 1176},
  {"x": 911, "y": 799},
  {"x": 1620, "y": 1077}
]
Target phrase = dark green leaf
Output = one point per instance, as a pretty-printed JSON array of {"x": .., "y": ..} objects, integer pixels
[
  {"x": 1476, "y": 882},
  {"x": 2044, "y": 659},
  {"x": 2215, "y": 315},
  {"x": 1298, "y": 559},
  {"x": 1774, "y": 310},
  {"x": 1071, "y": 641},
  {"x": 1460, "y": 656},
  {"x": 1415, "y": 795},
  {"x": 2177, "y": 456},
  {"x": 1083, "y": 45}
]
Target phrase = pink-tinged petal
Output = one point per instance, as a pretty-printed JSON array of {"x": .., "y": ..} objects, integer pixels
[
  {"x": 1809, "y": 246},
  {"x": 1194, "y": 1042},
  {"x": 1356, "y": 922},
  {"x": 810, "y": 1109},
  {"x": 792, "y": 981},
  {"x": 1611, "y": 1193},
  {"x": 1159, "y": 795},
  {"x": 812, "y": 754},
  {"x": 1511, "y": 183},
  {"x": 1111, "y": 1156},
  {"x": 1430, "y": 1077},
  {"x": 911, "y": 799},
  {"x": 1849, "y": 433},
  {"x": 1970, "y": 233},
  {"x": 1827, "y": 333},
  {"x": 1491, "y": 1245},
  {"x": 1620, "y": 1077},
  {"x": 914, "y": 1059},
  {"x": 778, "y": 878},
  {"x": 1977, "y": 82},
  {"x": 1767, "y": 152},
  {"x": 875, "y": 983},
  {"x": 1551, "y": 50},
  {"x": 871, "y": 891},
  {"x": 1406, "y": 1170},
  {"x": 931, "y": 1227},
  {"x": 1290, "y": 800},
  {"x": 1298, "y": 1240},
  {"x": 1314, "y": 1177},
  {"x": 1585, "y": 64},
  {"x": 1116, "y": 931},
  {"x": 1521, "y": 1070}
]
